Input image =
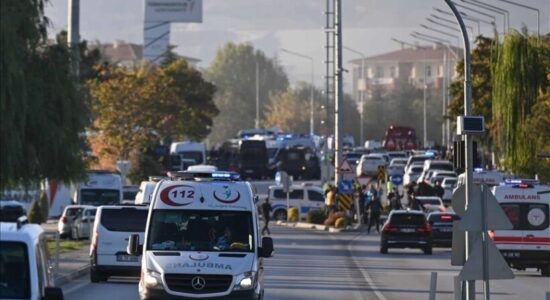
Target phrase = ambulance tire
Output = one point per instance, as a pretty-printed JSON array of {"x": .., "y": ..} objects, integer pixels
[{"x": 545, "y": 270}]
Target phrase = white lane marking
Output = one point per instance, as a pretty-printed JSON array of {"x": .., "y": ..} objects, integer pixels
[
  {"x": 364, "y": 271},
  {"x": 356, "y": 293},
  {"x": 76, "y": 287}
]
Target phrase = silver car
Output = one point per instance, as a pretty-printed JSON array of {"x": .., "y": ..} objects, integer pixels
[{"x": 70, "y": 214}]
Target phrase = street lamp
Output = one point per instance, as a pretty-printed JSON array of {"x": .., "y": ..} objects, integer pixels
[
  {"x": 483, "y": 14},
  {"x": 505, "y": 13},
  {"x": 527, "y": 7},
  {"x": 362, "y": 88},
  {"x": 454, "y": 23},
  {"x": 448, "y": 26},
  {"x": 311, "y": 113}
]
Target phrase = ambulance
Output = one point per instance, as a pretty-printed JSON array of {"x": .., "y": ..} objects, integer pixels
[
  {"x": 527, "y": 245},
  {"x": 202, "y": 239}
]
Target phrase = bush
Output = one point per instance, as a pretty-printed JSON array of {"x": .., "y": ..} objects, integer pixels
[
  {"x": 35, "y": 213},
  {"x": 293, "y": 214},
  {"x": 44, "y": 206},
  {"x": 315, "y": 216},
  {"x": 340, "y": 223}
]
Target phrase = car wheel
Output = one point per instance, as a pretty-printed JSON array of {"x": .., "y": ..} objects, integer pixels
[
  {"x": 97, "y": 276},
  {"x": 384, "y": 248},
  {"x": 427, "y": 250},
  {"x": 545, "y": 270},
  {"x": 280, "y": 215}
]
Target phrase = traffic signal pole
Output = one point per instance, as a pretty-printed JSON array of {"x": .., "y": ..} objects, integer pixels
[{"x": 339, "y": 92}]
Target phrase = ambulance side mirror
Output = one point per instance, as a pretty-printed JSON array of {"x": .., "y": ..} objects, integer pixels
[{"x": 133, "y": 244}]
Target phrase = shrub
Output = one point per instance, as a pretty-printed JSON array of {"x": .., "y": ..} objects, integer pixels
[
  {"x": 315, "y": 216},
  {"x": 44, "y": 206},
  {"x": 35, "y": 213},
  {"x": 340, "y": 223},
  {"x": 293, "y": 214}
]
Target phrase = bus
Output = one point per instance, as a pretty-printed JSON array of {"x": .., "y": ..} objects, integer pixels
[{"x": 399, "y": 138}]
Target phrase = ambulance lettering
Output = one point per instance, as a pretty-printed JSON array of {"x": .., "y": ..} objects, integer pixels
[
  {"x": 178, "y": 195},
  {"x": 521, "y": 197}
]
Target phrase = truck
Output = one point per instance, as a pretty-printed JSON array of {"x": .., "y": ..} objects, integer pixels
[
  {"x": 186, "y": 153},
  {"x": 101, "y": 188},
  {"x": 399, "y": 138},
  {"x": 253, "y": 159}
]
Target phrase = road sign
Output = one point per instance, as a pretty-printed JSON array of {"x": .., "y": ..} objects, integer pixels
[
  {"x": 472, "y": 218},
  {"x": 345, "y": 168},
  {"x": 497, "y": 266},
  {"x": 458, "y": 255},
  {"x": 123, "y": 166},
  {"x": 396, "y": 179},
  {"x": 344, "y": 200},
  {"x": 459, "y": 200},
  {"x": 345, "y": 186}
]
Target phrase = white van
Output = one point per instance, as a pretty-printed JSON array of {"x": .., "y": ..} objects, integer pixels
[
  {"x": 186, "y": 153},
  {"x": 305, "y": 197},
  {"x": 527, "y": 245},
  {"x": 101, "y": 188},
  {"x": 113, "y": 224},
  {"x": 202, "y": 240},
  {"x": 25, "y": 271},
  {"x": 145, "y": 191}
]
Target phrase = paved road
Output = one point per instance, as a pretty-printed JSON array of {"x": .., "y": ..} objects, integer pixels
[{"x": 320, "y": 265}]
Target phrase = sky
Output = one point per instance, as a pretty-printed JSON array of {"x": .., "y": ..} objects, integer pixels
[{"x": 296, "y": 25}]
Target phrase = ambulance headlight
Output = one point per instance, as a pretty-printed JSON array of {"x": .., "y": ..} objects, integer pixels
[
  {"x": 152, "y": 280},
  {"x": 245, "y": 281}
]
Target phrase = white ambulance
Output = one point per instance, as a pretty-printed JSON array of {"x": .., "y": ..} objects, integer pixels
[
  {"x": 202, "y": 240},
  {"x": 527, "y": 245}
]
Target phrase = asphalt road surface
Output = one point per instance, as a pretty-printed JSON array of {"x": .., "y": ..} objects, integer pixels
[{"x": 321, "y": 265}]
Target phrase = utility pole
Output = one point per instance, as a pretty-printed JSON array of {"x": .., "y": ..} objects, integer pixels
[
  {"x": 424, "y": 106},
  {"x": 339, "y": 92},
  {"x": 257, "y": 123},
  {"x": 73, "y": 36}
]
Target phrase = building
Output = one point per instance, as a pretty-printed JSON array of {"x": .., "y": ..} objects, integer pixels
[
  {"x": 419, "y": 66},
  {"x": 128, "y": 54}
]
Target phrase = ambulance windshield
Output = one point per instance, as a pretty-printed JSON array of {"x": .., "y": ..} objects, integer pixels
[{"x": 201, "y": 230}]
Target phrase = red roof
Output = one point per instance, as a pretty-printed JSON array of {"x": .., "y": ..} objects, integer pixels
[{"x": 410, "y": 54}]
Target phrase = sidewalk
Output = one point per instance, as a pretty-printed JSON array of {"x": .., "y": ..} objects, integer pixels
[{"x": 72, "y": 265}]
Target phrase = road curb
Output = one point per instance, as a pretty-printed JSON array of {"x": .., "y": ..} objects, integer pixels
[
  {"x": 318, "y": 227},
  {"x": 62, "y": 279}
]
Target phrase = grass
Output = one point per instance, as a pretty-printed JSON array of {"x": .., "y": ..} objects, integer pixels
[{"x": 65, "y": 246}]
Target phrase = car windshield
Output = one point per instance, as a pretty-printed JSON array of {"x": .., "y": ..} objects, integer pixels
[
  {"x": 11, "y": 213},
  {"x": 99, "y": 197},
  {"x": 199, "y": 230},
  {"x": 430, "y": 201},
  {"x": 194, "y": 155},
  {"x": 14, "y": 271}
]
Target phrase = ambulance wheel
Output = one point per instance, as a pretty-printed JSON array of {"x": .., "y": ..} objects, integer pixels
[
  {"x": 280, "y": 215},
  {"x": 545, "y": 270}
]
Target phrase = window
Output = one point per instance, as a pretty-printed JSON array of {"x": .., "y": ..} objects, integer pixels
[
  {"x": 393, "y": 72},
  {"x": 294, "y": 194},
  {"x": 99, "y": 197},
  {"x": 125, "y": 219},
  {"x": 379, "y": 72},
  {"x": 14, "y": 271},
  {"x": 315, "y": 196},
  {"x": 196, "y": 230},
  {"x": 408, "y": 219},
  {"x": 428, "y": 71},
  {"x": 513, "y": 213}
]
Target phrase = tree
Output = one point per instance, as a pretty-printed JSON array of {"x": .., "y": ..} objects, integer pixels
[
  {"x": 44, "y": 204},
  {"x": 35, "y": 213},
  {"x": 41, "y": 109},
  {"x": 519, "y": 75},
  {"x": 233, "y": 71},
  {"x": 135, "y": 108}
]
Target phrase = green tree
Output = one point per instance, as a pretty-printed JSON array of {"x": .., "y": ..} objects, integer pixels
[
  {"x": 233, "y": 71},
  {"x": 35, "y": 213},
  {"x": 519, "y": 76},
  {"x": 44, "y": 204},
  {"x": 41, "y": 109}
]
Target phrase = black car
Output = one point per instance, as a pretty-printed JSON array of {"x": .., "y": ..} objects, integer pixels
[
  {"x": 406, "y": 229},
  {"x": 442, "y": 228}
]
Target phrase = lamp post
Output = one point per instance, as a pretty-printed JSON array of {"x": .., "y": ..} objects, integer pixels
[
  {"x": 448, "y": 26},
  {"x": 527, "y": 7},
  {"x": 454, "y": 23},
  {"x": 311, "y": 108},
  {"x": 503, "y": 12},
  {"x": 468, "y": 18},
  {"x": 362, "y": 89},
  {"x": 483, "y": 14}
]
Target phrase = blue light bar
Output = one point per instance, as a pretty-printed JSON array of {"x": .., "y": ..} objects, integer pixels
[
  {"x": 478, "y": 170},
  {"x": 226, "y": 175}
]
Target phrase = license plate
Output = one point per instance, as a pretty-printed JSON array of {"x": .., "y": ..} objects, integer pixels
[
  {"x": 445, "y": 229},
  {"x": 127, "y": 258},
  {"x": 407, "y": 230}
]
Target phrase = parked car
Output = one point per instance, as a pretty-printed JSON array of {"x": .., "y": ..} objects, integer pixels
[
  {"x": 406, "y": 229},
  {"x": 82, "y": 224},
  {"x": 442, "y": 228},
  {"x": 66, "y": 221},
  {"x": 305, "y": 197},
  {"x": 11, "y": 210}
]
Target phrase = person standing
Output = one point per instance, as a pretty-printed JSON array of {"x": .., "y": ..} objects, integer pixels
[
  {"x": 266, "y": 213},
  {"x": 330, "y": 200},
  {"x": 374, "y": 217},
  {"x": 439, "y": 191}
]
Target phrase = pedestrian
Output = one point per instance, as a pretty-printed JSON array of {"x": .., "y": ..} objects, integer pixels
[
  {"x": 363, "y": 201},
  {"x": 375, "y": 207},
  {"x": 415, "y": 204},
  {"x": 266, "y": 213},
  {"x": 395, "y": 201},
  {"x": 438, "y": 189},
  {"x": 330, "y": 200}
]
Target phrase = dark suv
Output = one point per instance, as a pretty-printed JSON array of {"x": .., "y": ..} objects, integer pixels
[
  {"x": 442, "y": 228},
  {"x": 406, "y": 229}
]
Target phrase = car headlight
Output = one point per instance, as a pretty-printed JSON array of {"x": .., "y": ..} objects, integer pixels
[
  {"x": 152, "y": 280},
  {"x": 245, "y": 281}
]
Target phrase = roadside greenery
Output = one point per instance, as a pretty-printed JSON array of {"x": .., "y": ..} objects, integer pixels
[{"x": 65, "y": 246}]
